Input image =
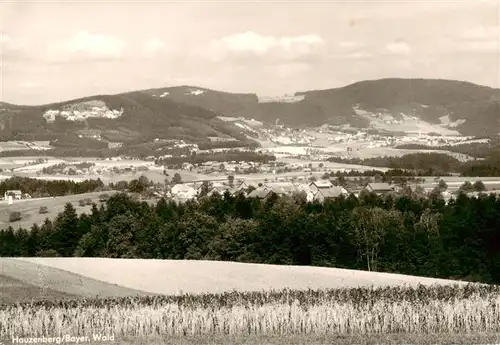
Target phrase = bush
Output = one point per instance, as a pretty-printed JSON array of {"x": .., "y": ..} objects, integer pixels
[
  {"x": 14, "y": 216},
  {"x": 103, "y": 197},
  {"x": 43, "y": 210},
  {"x": 48, "y": 253},
  {"x": 81, "y": 202}
]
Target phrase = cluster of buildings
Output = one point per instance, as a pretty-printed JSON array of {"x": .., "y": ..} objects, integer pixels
[{"x": 320, "y": 190}]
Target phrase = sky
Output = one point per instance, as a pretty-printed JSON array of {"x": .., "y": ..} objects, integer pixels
[{"x": 54, "y": 51}]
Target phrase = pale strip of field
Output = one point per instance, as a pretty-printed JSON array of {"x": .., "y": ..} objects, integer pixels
[
  {"x": 155, "y": 175},
  {"x": 462, "y": 179},
  {"x": 191, "y": 276},
  {"x": 29, "y": 274}
]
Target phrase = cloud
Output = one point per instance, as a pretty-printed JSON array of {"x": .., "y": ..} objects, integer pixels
[
  {"x": 4, "y": 39},
  {"x": 398, "y": 48},
  {"x": 86, "y": 45},
  {"x": 482, "y": 32},
  {"x": 11, "y": 46},
  {"x": 348, "y": 44},
  {"x": 479, "y": 46},
  {"x": 153, "y": 47},
  {"x": 29, "y": 84},
  {"x": 355, "y": 55},
  {"x": 251, "y": 44}
]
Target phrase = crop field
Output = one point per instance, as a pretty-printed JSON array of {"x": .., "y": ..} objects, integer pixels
[
  {"x": 23, "y": 145},
  {"x": 29, "y": 208},
  {"x": 331, "y": 314},
  {"x": 210, "y": 302},
  {"x": 17, "y": 162},
  {"x": 155, "y": 175},
  {"x": 192, "y": 276}
]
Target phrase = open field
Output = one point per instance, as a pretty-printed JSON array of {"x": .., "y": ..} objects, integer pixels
[
  {"x": 361, "y": 150},
  {"x": 401, "y": 313},
  {"x": 29, "y": 208},
  {"x": 22, "y": 281},
  {"x": 154, "y": 174},
  {"x": 24, "y": 145},
  {"x": 18, "y": 162},
  {"x": 232, "y": 303},
  {"x": 191, "y": 276}
]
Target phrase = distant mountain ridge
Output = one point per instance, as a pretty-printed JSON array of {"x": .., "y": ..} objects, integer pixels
[
  {"x": 468, "y": 108},
  {"x": 193, "y": 113}
]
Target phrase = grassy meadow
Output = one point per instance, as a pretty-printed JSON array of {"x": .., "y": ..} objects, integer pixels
[{"x": 29, "y": 208}]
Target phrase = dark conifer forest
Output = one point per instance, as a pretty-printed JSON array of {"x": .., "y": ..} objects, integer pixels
[{"x": 405, "y": 233}]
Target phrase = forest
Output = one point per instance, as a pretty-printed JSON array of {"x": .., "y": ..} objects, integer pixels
[
  {"x": 432, "y": 164},
  {"x": 37, "y": 188},
  {"x": 406, "y": 233}
]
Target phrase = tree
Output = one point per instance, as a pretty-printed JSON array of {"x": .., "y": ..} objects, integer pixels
[
  {"x": 466, "y": 187},
  {"x": 340, "y": 181},
  {"x": 176, "y": 179},
  {"x": 204, "y": 188},
  {"x": 66, "y": 231},
  {"x": 442, "y": 185},
  {"x": 371, "y": 224},
  {"x": 230, "y": 180},
  {"x": 436, "y": 193},
  {"x": 479, "y": 186},
  {"x": 419, "y": 191}
]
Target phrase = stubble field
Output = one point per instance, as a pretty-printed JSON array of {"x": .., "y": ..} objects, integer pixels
[{"x": 241, "y": 304}]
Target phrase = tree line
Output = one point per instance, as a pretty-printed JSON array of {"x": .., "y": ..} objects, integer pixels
[
  {"x": 431, "y": 164},
  {"x": 227, "y": 156},
  {"x": 49, "y": 188},
  {"x": 405, "y": 233}
]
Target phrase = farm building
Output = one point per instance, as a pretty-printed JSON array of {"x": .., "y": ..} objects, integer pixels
[
  {"x": 16, "y": 194},
  {"x": 330, "y": 193},
  {"x": 379, "y": 188},
  {"x": 260, "y": 193},
  {"x": 322, "y": 184},
  {"x": 282, "y": 188},
  {"x": 242, "y": 186},
  {"x": 220, "y": 190}
]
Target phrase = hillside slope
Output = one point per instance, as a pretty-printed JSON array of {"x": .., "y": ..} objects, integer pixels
[
  {"x": 192, "y": 276},
  {"x": 465, "y": 107},
  {"x": 22, "y": 281},
  {"x": 129, "y": 117},
  {"x": 192, "y": 113}
]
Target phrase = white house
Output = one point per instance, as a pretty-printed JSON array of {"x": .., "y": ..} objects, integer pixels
[
  {"x": 183, "y": 191},
  {"x": 16, "y": 194},
  {"x": 306, "y": 189}
]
